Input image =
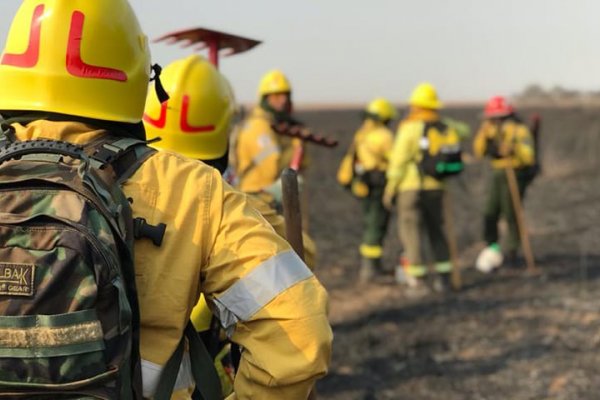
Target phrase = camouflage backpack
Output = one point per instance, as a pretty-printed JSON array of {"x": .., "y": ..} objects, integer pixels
[{"x": 69, "y": 319}]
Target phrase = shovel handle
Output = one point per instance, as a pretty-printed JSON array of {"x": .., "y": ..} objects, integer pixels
[
  {"x": 291, "y": 210},
  {"x": 513, "y": 187}
]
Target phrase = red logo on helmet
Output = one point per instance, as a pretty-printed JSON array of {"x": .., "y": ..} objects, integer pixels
[
  {"x": 76, "y": 66},
  {"x": 30, "y": 57},
  {"x": 185, "y": 126},
  {"x": 161, "y": 121}
]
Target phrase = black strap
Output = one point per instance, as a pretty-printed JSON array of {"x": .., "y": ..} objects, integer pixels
[
  {"x": 168, "y": 377},
  {"x": 203, "y": 367},
  {"x": 130, "y": 162},
  {"x": 161, "y": 93},
  {"x": 124, "y": 155},
  {"x": 207, "y": 380}
]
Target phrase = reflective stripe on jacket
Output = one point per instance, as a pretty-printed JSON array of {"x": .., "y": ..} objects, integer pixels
[
  {"x": 257, "y": 153},
  {"x": 261, "y": 154}
]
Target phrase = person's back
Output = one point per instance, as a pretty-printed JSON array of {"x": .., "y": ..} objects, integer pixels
[
  {"x": 214, "y": 243},
  {"x": 373, "y": 145},
  {"x": 211, "y": 107},
  {"x": 370, "y": 151},
  {"x": 420, "y": 191},
  {"x": 406, "y": 154}
]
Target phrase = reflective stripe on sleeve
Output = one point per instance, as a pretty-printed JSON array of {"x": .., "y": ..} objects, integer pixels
[
  {"x": 255, "y": 290},
  {"x": 265, "y": 153}
]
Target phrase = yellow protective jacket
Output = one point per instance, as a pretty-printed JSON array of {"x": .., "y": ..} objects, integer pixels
[
  {"x": 267, "y": 299},
  {"x": 373, "y": 143},
  {"x": 278, "y": 223},
  {"x": 513, "y": 142},
  {"x": 201, "y": 315},
  {"x": 403, "y": 173},
  {"x": 261, "y": 154}
]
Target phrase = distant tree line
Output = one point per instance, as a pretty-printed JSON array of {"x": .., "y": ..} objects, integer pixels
[{"x": 559, "y": 96}]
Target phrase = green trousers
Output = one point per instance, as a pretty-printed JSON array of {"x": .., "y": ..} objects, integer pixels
[
  {"x": 421, "y": 217},
  {"x": 375, "y": 219},
  {"x": 499, "y": 205}
]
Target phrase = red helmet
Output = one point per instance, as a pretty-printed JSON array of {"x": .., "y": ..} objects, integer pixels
[{"x": 497, "y": 106}]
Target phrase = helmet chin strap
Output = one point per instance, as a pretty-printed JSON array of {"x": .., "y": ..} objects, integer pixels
[
  {"x": 278, "y": 116},
  {"x": 161, "y": 93}
]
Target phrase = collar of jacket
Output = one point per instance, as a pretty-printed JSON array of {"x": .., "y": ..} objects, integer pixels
[
  {"x": 68, "y": 131},
  {"x": 370, "y": 124},
  {"x": 260, "y": 113},
  {"x": 422, "y": 114},
  {"x": 121, "y": 129}
]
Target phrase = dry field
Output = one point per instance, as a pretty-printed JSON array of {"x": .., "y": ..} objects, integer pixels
[{"x": 504, "y": 336}]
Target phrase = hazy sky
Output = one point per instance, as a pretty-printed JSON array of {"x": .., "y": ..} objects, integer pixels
[{"x": 348, "y": 51}]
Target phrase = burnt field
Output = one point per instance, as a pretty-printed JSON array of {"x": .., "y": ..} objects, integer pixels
[{"x": 504, "y": 336}]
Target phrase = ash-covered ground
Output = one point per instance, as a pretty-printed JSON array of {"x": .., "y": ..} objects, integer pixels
[{"x": 504, "y": 336}]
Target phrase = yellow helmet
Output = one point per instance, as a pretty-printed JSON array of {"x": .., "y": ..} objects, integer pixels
[
  {"x": 425, "y": 96},
  {"x": 382, "y": 109},
  {"x": 274, "y": 82},
  {"x": 196, "y": 119},
  {"x": 78, "y": 57}
]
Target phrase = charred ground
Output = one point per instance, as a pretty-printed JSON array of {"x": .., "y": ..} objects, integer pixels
[{"x": 504, "y": 336}]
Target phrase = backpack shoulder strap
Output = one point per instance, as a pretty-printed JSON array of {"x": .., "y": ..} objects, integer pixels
[
  {"x": 7, "y": 134},
  {"x": 203, "y": 369},
  {"x": 125, "y": 155},
  {"x": 439, "y": 125}
]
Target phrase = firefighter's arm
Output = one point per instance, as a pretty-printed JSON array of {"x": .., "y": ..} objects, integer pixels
[
  {"x": 267, "y": 300},
  {"x": 404, "y": 151},
  {"x": 480, "y": 142}
]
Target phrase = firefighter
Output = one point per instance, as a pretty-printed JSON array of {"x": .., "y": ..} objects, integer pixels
[
  {"x": 507, "y": 142},
  {"x": 211, "y": 102},
  {"x": 260, "y": 153},
  {"x": 426, "y": 150},
  {"x": 369, "y": 151},
  {"x": 84, "y": 74}
]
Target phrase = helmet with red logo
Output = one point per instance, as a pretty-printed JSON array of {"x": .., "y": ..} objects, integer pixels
[
  {"x": 77, "y": 57},
  {"x": 197, "y": 118},
  {"x": 498, "y": 107}
]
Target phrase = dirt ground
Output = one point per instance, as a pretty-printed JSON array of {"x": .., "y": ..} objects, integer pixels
[{"x": 504, "y": 336}]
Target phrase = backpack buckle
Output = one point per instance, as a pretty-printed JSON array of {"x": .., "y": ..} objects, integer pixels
[{"x": 142, "y": 229}]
